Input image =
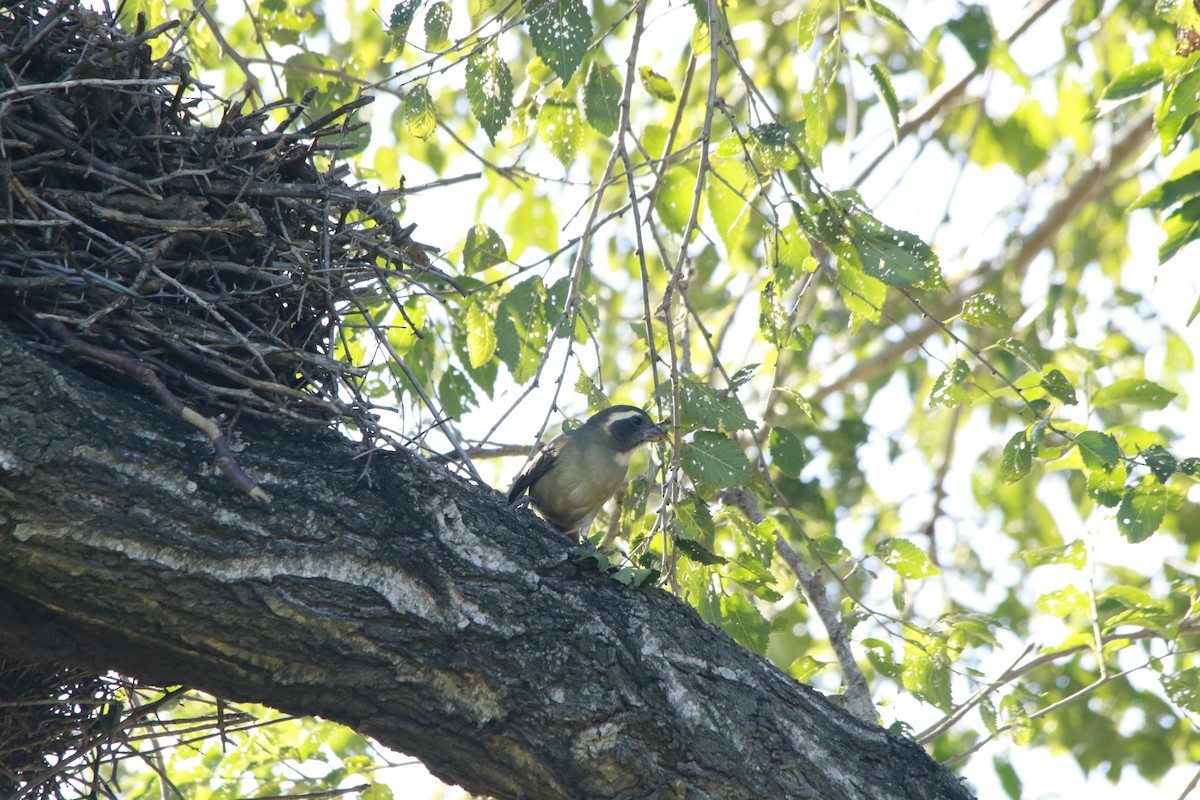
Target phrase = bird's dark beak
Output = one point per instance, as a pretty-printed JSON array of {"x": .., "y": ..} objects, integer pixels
[{"x": 656, "y": 433}]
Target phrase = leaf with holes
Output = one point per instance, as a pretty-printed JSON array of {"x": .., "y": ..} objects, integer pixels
[
  {"x": 1017, "y": 460},
  {"x": 437, "y": 27},
  {"x": 419, "y": 114},
  {"x": 983, "y": 311},
  {"x": 715, "y": 460},
  {"x": 481, "y": 333},
  {"x": 1137, "y": 392},
  {"x": 656, "y": 84},
  {"x": 1098, "y": 449},
  {"x": 909, "y": 561},
  {"x": 701, "y": 406},
  {"x": 1161, "y": 462},
  {"x": 788, "y": 453},
  {"x": 1057, "y": 385},
  {"x": 602, "y": 98},
  {"x": 489, "y": 89},
  {"x": 1141, "y": 511},
  {"x": 560, "y": 127},
  {"x": 484, "y": 249},
  {"x": 949, "y": 389},
  {"x": 896, "y": 257},
  {"x": 560, "y": 31}
]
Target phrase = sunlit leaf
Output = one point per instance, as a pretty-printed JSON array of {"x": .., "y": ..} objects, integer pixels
[
  {"x": 701, "y": 406},
  {"x": 715, "y": 460},
  {"x": 949, "y": 389},
  {"x": 437, "y": 26},
  {"x": 489, "y": 89},
  {"x": 984, "y": 311},
  {"x": 1057, "y": 385},
  {"x": 560, "y": 31},
  {"x": 1017, "y": 460},
  {"x": 560, "y": 127},
  {"x": 1141, "y": 511},
  {"x": 909, "y": 561},
  {"x": 1138, "y": 392},
  {"x": 656, "y": 84},
  {"x": 484, "y": 249},
  {"x": 1097, "y": 449},
  {"x": 419, "y": 114}
]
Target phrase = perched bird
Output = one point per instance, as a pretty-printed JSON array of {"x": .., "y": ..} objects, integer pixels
[{"x": 573, "y": 476}]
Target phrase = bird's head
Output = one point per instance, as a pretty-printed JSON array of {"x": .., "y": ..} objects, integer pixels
[{"x": 623, "y": 428}]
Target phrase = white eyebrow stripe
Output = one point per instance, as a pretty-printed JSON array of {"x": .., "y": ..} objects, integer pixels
[{"x": 621, "y": 416}]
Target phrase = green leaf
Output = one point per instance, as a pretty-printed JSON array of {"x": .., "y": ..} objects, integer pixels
[
  {"x": 725, "y": 192},
  {"x": 896, "y": 257},
  {"x": 560, "y": 31},
  {"x": 560, "y": 127},
  {"x": 1010, "y": 781},
  {"x": 1182, "y": 227},
  {"x": 806, "y": 29},
  {"x": 656, "y": 84},
  {"x": 1137, "y": 392},
  {"x": 1017, "y": 460},
  {"x": 1176, "y": 113},
  {"x": 1022, "y": 352},
  {"x": 602, "y": 98},
  {"x": 788, "y": 453},
  {"x": 983, "y": 311},
  {"x": 481, "y": 334},
  {"x": 1161, "y": 462},
  {"x": 1184, "y": 688},
  {"x": 772, "y": 318},
  {"x": 1190, "y": 466},
  {"x": 973, "y": 28},
  {"x": 697, "y": 552},
  {"x": 401, "y": 21},
  {"x": 521, "y": 329},
  {"x": 1182, "y": 184},
  {"x": 1057, "y": 385},
  {"x": 1073, "y": 555},
  {"x": 697, "y": 521},
  {"x": 1064, "y": 602},
  {"x": 674, "y": 201},
  {"x": 948, "y": 389},
  {"x": 701, "y": 406},
  {"x": 489, "y": 89},
  {"x": 1133, "y": 82},
  {"x": 484, "y": 249},
  {"x": 715, "y": 460},
  {"x": 456, "y": 393},
  {"x": 883, "y": 12},
  {"x": 774, "y": 146},
  {"x": 1098, "y": 449},
  {"x": 926, "y": 672},
  {"x": 909, "y": 561},
  {"x": 419, "y": 114},
  {"x": 437, "y": 26},
  {"x": 805, "y": 667},
  {"x": 1107, "y": 486},
  {"x": 886, "y": 94},
  {"x": 742, "y": 620},
  {"x": 863, "y": 295},
  {"x": 1141, "y": 511}
]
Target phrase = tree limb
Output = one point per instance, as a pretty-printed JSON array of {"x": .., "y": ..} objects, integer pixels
[{"x": 416, "y": 609}]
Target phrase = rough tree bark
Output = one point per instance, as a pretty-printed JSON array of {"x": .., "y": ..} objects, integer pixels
[{"x": 413, "y": 608}]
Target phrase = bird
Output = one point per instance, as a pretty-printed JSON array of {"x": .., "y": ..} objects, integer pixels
[{"x": 575, "y": 474}]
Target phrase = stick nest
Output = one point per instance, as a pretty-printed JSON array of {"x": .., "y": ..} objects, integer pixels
[{"x": 218, "y": 261}]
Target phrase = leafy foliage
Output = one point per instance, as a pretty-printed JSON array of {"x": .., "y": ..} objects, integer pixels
[{"x": 934, "y": 370}]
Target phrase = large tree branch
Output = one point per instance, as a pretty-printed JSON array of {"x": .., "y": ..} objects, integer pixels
[{"x": 412, "y": 607}]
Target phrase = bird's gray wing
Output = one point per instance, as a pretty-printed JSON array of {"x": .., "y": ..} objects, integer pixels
[{"x": 539, "y": 466}]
